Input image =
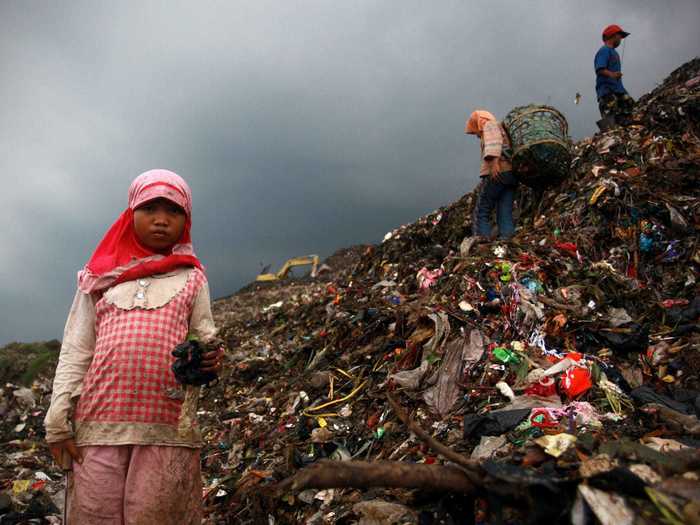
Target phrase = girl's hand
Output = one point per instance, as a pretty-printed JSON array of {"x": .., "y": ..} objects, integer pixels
[
  {"x": 63, "y": 450},
  {"x": 211, "y": 361}
]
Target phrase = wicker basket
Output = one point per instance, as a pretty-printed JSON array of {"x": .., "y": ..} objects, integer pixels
[{"x": 540, "y": 143}]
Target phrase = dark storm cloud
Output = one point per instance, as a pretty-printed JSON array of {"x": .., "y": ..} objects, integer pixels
[{"x": 302, "y": 126}]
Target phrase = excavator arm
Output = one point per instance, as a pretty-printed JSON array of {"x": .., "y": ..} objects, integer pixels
[{"x": 313, "y": 260}]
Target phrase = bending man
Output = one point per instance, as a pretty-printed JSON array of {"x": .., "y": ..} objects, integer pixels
[{"x": 498, "y": 183}]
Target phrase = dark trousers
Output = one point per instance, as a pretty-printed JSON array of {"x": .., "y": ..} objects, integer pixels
[
  {"x": 616, "y": 105},
  {"x": 498, "y": 194}
]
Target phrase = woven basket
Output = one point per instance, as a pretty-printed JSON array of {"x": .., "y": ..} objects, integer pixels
[{"x": 541, "y": 147}]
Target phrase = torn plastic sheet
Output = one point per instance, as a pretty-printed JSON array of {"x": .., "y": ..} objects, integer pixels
[
  {"x": 488, "y": 446},
  {"x": 493, "y": 423},
  {"x": 442, "y": 332},
  {"x": 634, "y": 338},
  {"x": 618, "y": 317},
  {"x": 459, "y": 354},
  {"x": 645, "y": 395},
  {"x": 676, "y": 217},
  {"x": 446, "y": 391},
  {"x": 610, "y": 509},
  {"x": 412, "y": 379},
  {"x": 555, "y": 445}
]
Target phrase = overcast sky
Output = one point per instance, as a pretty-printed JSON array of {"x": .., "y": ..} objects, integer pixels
[{"x": 302, "y": 127}]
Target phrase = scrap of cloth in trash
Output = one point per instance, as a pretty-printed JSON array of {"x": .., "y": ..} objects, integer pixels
[
  {"x": 121, "y": 257},
  {"x": 493, "y": 423},
  {"x": 118, "y": 485}
]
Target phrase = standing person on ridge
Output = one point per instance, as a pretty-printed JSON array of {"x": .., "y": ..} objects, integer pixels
[
  {"x": 613, "y": 101},
  {"x": 117, "y": 412},
  {"x": 498, "y": 183}
]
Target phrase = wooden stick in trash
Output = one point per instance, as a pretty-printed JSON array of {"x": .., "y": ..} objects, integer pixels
[
  {"x": 327, "y": 474},
  {"x": 463, "y": 477},
  {"x": 433, "y": 443}
]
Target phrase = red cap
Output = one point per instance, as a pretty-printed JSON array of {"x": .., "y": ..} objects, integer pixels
[{"x": 613, "y": 30}]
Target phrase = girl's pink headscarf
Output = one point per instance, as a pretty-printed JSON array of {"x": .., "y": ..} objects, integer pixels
[
  {"x": 120, "y": 257},
  {"x": 477, "y": 121}
]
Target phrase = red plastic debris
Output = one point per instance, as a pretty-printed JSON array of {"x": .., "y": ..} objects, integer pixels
[
  {"x": 38, "y": 485},
  {"x": 541, "y": 418},
  {"x": 546, "y": 387},
  {"x": 373, "y": 420},
  {"x": 576, "y": 381},
  {"x": 670, "y": 303},
  {"x": 568, "y": 247}
]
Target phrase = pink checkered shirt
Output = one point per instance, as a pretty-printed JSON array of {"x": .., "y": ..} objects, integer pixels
[{"x": 130, "y": 377}]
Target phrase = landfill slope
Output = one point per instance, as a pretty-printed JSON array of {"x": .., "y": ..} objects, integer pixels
[
  {"x": 604, "y": 268},
  {"x": 565, "y": 362}
]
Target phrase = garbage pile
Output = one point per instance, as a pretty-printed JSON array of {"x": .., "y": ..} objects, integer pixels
[
  {"x": 560, "y": 371},
  {"x": 566, "y": 363},
  {"x": 31, "y": 486}
]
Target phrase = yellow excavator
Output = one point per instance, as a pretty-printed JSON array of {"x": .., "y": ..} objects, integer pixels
[{"x": 313, "y": 260}]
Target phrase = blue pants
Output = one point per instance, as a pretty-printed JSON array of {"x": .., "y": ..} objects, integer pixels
[{"x": 495, "y": 194}]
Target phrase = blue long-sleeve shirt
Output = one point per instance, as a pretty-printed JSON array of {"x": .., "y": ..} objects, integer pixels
[{"x": 607, "y": 58}]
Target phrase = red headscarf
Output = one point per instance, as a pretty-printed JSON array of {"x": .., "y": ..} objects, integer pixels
[{"x": 120, "y": 257}]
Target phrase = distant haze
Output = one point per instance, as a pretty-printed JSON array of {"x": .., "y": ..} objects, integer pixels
[{"x": 302, "y": 127}]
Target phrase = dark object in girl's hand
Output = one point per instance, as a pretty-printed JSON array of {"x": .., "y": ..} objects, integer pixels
[{"x": 187, "y": 366}]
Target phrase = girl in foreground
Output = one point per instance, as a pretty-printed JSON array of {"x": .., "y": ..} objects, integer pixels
[{"x": 117, "y": 413}]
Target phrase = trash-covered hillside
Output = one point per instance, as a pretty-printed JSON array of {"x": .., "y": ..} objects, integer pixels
[{"x": 554, "y": 378}]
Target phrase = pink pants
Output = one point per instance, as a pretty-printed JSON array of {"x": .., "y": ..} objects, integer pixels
[{"x": 135, "y": 485}]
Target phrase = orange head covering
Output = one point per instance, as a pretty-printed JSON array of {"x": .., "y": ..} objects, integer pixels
[{"x": 477, "y": 121}]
